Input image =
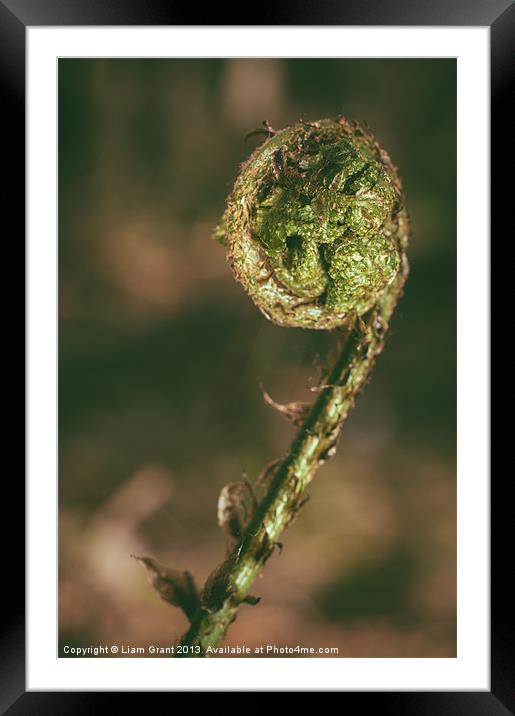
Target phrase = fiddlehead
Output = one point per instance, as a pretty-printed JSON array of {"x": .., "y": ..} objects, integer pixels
[
  {"x": 316, "y": 231},
  {"x": 315, "y": 228}
]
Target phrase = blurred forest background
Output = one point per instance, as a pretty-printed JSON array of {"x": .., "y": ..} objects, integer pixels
[{"x": 161, "y": 354}]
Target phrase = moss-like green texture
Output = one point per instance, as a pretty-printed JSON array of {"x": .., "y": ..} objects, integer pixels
[{"x": 312, "y": 225}]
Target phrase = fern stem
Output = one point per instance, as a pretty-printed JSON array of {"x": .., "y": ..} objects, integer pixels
[{"x": 230, "y": 583}]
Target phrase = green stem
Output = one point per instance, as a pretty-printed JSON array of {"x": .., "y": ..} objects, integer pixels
[{"x": 229, "y": 584}]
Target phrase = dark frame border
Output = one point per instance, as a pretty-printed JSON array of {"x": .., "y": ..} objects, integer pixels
[{"x": 15, "y": 16}]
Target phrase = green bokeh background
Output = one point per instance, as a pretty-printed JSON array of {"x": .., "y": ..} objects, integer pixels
[{"x": 161, "y": 355}]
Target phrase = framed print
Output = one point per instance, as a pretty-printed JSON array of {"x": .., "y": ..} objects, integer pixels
[{"x": 257, "y": 312}]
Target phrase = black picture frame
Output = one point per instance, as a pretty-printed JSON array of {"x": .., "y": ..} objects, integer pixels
[{"x": 15, "y": 17}]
